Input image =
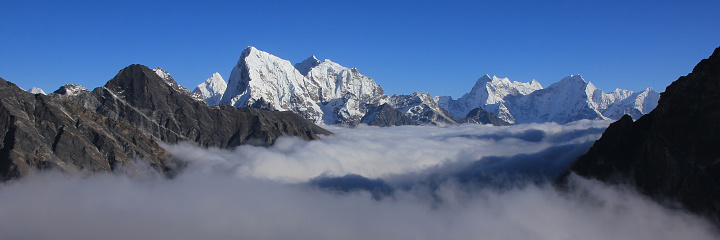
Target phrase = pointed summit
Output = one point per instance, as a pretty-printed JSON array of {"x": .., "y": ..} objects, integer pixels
[
  {"x": 212, "y": 90},
  {"x": 306, "y": 65}
]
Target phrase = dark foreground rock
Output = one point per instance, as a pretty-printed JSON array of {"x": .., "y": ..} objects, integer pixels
[
  {"x": 673, "y": 153},
  {"x": 40, "y": 132},
  {"x": 137, "y": 95}
]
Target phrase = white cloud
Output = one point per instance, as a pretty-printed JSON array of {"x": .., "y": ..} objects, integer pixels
[
  {"x": 379, "y": 152},
  {"x": 249, "y": 193}
]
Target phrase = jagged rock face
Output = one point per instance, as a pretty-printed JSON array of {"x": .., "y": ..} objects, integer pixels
[
  {"x": 212, "y": 90},
  {"x": 480, "y": 116},
  {"x": 140, "y": 97},
  {"x": 422, "y": 109},
  {"x": 386, "y": 116},
  {"x": 672, "y": 152},
  {"x": 170, "y": 81},
  {"x": 40, "y": 132}
]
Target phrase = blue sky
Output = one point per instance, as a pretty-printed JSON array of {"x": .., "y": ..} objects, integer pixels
[{"x": 440, "y": 47}]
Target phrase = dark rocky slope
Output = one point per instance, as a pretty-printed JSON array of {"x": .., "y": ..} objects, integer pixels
[
  {"x": 137, "y": 95},
  {"x": 386, "y": 116},
  {"x": 480, "y": 116},
  {"x": 39, "y": 132},
  {"x": 672, "y": 153}
]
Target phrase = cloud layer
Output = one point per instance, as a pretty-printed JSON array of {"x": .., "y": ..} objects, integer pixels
[{"x": 262, "y": 193}]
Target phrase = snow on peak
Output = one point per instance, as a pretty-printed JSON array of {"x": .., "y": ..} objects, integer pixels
[
  {"x": 335, "y": 81},
  {"x": 307, "y": 64},
  {"x": 489, "y": 93},
  {"x": 36, "y": 90},
  {"x": 165, "y": 76},
  {"x": 422, "y": 109},
  {"x": 71, "y": 90},
  {"x": 327, "y": 93},
  {"x": 262, "y": 80},
  {"x": 212, "y": 90}
]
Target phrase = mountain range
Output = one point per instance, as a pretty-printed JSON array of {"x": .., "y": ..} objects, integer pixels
[
  {"x": 76, "y": 130},
  {"x": 328, "y": 93}
]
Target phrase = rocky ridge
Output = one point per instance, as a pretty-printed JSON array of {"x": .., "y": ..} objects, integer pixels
[
  {"x": 167, "y": 113},
  {"x": 671, "y": 153},
  {"x": 41, "y": 132}
]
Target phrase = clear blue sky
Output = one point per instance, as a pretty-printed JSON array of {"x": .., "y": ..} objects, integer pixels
[{"x": 440, "y": 47}]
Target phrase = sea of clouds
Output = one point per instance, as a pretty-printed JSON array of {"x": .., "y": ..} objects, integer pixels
[{"x": 409, "y": 182}]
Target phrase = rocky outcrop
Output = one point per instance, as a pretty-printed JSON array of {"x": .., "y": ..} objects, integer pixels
[
  {"x": 480, "y": 116},
  {"x": 40, "y": 132},
  {"x": 139, "y": 96},
  {"x": 386, "y": 116},
  {"x": 672, "y": 152},
  {"x": 422, "y": 109}
]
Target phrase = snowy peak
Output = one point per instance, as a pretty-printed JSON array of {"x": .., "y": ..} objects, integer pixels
[
  {"x": 335, "y": 81},
  {"x": 262, "y": 80},
  {"x": 36, "y": 90},
  {"x": 71, "y": 90},
  {"x": 212, "y": 90},
  {"x": 306, "y": 65},
  {"x": 570, "y": 99},
  {"x": 489, "y": 93}
]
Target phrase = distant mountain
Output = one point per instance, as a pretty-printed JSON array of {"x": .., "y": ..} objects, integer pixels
[
  {"x": 422, "y": 109},
  {"x": 480, "y": 116},
  {"x": 326, "y": 92},
  {"x": 672, "y": 152},
  {"x": 166, "y": 112},
  {"x": 42, "y": 132},
  {"x": 386, "y": 116},
  {"x": 36, "y": 90},
  {"x": 212, "y": 90},
  {"x": 570, "y": 99},
  {"x": 490, "y": 94}
]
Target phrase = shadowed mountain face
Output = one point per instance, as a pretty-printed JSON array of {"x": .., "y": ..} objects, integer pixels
[
  {"x": 137, "y": 95},
  {"x": 40, "y": 132},
  {"x": 480, "y": 116},
  {"x": 674, "y": 151}
]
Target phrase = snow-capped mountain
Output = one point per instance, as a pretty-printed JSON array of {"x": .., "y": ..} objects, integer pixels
[
  {"x": 71, "y": 90},
  {"x": 262, "y": 80},
  {"x": 344, "y": 94},
  {"x": 329, "y": 93},
  {"x": 326, "y": 92},
  {"x": 635, "y": 105},
  {"x": 422, "y": 108},
  {"x": 212, "y": 89},
  {"x": 305, "y": 66},
  {"x": 490, "y": 94},
  {"x": 570, "y": 99},
  {"x": 36, "y": 90}
]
